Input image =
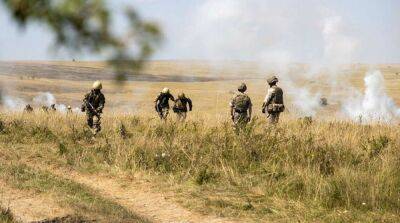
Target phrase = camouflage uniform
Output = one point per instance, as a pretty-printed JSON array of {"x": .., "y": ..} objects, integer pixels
[
  {"x": 44, "y": 108},
  {"x": 273, "y": 102},
  {"x": 241, "y": 107},
  {"x": 181, "y": 106},
  {"x": 162, "y": 103},
  {"x": 53, "y": 107},
  {"x": 28, "y": 108},
  {"x": 93, "y": 104}
]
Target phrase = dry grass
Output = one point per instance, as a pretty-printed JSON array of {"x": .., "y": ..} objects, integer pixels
[{"x": 323, "y": 171}]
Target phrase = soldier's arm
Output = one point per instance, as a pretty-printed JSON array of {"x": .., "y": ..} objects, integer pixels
[
  {"x": 101, "y": 103},
  {"x": 157, "y": 99},
  {"x": 250, "y": 110},
  {"x": 231, "y": 106},
  {"x": 190, "y": 104},
  {"x": 84, "y": 102},
  {"x": 269, "y": 97},
  {"x": 171, "y": 97}
]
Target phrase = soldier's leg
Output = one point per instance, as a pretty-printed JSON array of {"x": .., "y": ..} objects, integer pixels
[
  {"x": 89, "y": 119},
  {"x": 277, "y": 117},
  {"x": 183, "y": 116},
  {"x": 165, "y": 112},
  {"x": 97, "y": 123},
  {"x": 178, "y": 116},
  {"x": 273, "y": 118},
  {"x": 239, "y": 121}
]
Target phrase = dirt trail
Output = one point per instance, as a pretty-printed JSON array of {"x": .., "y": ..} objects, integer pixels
[
  {"x": 28, "y": 206},
  {"x": 138, "y": 197}
]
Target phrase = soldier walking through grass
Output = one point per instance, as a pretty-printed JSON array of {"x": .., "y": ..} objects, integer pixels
[
  {"x": 162, "y": 103},
  {"x": 93, "y": 105},
  {"x": 28, "y": 108},
  {"x": 181, "y": 106},
  {"x": 273, "y": 103},
  {"x": 241, "y": 107},
  {"x": 53, "y": 107}
]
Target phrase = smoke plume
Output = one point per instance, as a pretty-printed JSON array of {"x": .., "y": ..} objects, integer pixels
[
  {"x": 374, "y": 105},
  {"x": 14, "y": 104}
]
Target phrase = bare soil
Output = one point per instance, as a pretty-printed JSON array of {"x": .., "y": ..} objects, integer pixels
[{"x": 30, "y": 206}]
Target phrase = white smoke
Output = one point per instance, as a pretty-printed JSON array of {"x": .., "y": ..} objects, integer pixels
[
  {"x": 261, "y": 31},
  {"x": 44, "y": 98},
  {"x": 374, "y": 105},
  {"x": 48, "y": 99},
  {"x": 13, "y": 103},
  {"x": 305, "y": 102}
]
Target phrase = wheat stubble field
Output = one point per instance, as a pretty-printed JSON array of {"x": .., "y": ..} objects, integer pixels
[{"x": 142, "y": 170}]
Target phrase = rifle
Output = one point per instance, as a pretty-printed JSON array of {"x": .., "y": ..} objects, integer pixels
[{"x": 92, "y": 108}]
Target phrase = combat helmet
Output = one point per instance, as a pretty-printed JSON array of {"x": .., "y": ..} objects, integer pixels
[
  {"x": 97, "y": 85},
  {"x": 242, "y": 87},
  {"x": 272, "y": 80},
  {"x": 181, "y": 95},
  {"x": 165, "y": 90}
]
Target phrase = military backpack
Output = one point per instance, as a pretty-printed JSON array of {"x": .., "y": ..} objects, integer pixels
[{"x": 241, "y": 103}]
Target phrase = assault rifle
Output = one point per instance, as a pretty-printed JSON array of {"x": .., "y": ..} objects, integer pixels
[{"x": 92, "y": 108}]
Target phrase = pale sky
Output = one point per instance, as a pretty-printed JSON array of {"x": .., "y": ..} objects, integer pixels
[{"x": 268, "y": 30}]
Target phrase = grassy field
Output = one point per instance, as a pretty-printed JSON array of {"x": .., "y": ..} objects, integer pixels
[{"x": 298, "y": 171}]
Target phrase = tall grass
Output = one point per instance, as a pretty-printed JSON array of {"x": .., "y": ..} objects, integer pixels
[{"x": 300, "y": 170}]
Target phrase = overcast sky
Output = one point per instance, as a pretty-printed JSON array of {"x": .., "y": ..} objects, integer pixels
[{"x": 282, "y": 31}]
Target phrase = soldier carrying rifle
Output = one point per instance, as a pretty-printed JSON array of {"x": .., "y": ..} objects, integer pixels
[{"x": 93, "y": 104}]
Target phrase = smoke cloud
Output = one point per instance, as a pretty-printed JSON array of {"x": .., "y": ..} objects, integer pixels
[
  {"x": 15, "y": 104},
  {"x": 44, "y": 98},
  {"x": 263, "y": 31},
  {"x": 374, "y": 105}
]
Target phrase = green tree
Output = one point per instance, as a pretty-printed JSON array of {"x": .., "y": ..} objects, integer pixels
[{"x": 86, "y": 26}]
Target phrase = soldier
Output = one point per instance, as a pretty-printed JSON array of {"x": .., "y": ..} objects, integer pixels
[
  {"x": 162, "y": 103},
  {"x": 180, "y": 106},
  {"x": 273, "y": 103},
  {"x": 241, "y": 107},
  {"x": 53, "y": 107},
  {"x": 45, "y": 108},
  {"x": 28, "y": 108},
  {"x": 93, "y": 104}
]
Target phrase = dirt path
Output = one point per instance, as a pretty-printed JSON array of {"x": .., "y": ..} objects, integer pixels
[
  {"x": 29, "y": 206},
  {"x": 139, "y": 198}
]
